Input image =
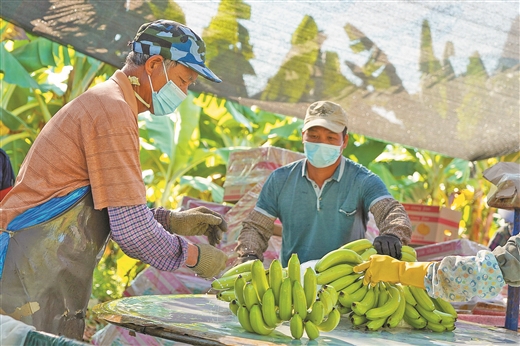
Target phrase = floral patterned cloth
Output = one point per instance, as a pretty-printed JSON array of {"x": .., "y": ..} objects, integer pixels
[{"x": 458, "y": 278}]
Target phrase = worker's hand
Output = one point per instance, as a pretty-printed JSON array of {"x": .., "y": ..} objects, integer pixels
[
  {"x": 385, "y": 268},
  {"x": 388, "y": 244},
  {"x": 198, "y": 221},
  {"x": 211, "y": 261},
  {"x": 245, "y": 258}
]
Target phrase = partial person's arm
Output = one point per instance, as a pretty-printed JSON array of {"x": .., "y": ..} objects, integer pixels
[
  {"x": 455, "y": 278},
  {"x": 394, "y": 226},
  {"x": 254, "y": 237},
  {"x": 140, "y": 236},
  {"x": 508, "y": 258}
]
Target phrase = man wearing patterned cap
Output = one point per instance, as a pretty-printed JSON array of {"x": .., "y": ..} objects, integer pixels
[
  {"x": 323, "y": 200},
  {"x": 81, "y": 182}
]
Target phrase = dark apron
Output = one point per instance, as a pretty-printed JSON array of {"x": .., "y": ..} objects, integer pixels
[{"x": 47, "y": 277}]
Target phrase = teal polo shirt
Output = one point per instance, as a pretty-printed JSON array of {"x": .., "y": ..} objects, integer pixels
[{"x": 316, "y": 221}]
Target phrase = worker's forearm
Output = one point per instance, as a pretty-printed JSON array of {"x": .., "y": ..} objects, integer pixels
[
  {"x": 193, "y": 255},
  {"x": 257, "y": 229},
  {"x": 391, "y": 218},
  {"x": 460, "y": 278},
  {"x": 140, "y": 236}
]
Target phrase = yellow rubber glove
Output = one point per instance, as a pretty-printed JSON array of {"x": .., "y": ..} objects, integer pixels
[{"x": 388, "y": 269}]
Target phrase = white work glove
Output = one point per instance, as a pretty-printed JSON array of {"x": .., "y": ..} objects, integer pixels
[
  {"x": 198, "y": 221},
  {"x": 210, "y": 262}
]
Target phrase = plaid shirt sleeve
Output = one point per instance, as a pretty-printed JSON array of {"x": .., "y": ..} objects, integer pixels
[
  {"x": 162, "y": 216},
  {"x": 141, "y": 236}
]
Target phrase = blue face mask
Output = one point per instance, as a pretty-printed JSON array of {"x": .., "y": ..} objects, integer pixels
[
  {"x": 168, "y": 98},
  {"x": 321, "y": 155}
]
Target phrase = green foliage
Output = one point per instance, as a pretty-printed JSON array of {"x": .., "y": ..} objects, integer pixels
[
  {"x": 293, "y": 79},
  {"x": 228, "y": 40}
]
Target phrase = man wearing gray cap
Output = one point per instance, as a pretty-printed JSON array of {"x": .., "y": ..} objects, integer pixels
[
  {"x": 323, "y": 200},
  {"x": 81, "y": 182}
]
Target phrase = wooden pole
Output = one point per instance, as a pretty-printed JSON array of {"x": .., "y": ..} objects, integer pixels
[{"x": 513, "y": 293}]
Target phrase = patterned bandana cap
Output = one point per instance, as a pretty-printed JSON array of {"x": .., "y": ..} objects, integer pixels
[
  {"x": 176, "y": 42},
  {"x": 326, "y": 114}
]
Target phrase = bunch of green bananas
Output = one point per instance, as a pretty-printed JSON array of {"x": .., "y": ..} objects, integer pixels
[
  {"x": 383, "y": 304},
  {"x": 422, "y": 311},
  {"x": 263, "y": 299}
]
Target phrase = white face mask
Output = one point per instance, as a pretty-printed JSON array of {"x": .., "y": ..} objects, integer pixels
[
  {"x": 321, "y": 155},
  {"x": 168, "y": 98}
]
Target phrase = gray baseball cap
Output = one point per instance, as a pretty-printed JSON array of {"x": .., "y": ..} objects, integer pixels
[{"x": 326, "y": 114}]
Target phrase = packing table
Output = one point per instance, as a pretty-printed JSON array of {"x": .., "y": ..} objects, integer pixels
[{"x": 204, "y": 320}]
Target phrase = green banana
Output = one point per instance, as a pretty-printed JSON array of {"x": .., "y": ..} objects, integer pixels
[
  {"x": 293, "y": 267},
  {"x": 335, "y": 257},
  {"x": 376, "y": 324},
  {"x": 240, "y": 282},
  {"x": 331, "y": 322},
  {"x": 275, "y": 278},
  {"x": 343, "y": 309},
  {"x": 257, "y": 321},
  {"x": 445, "y": 306},
  {"x": 358, "y": 245},
  {"x": 250, "y": 295},
  {"x": 411, "y": 312},
  {"x": 334, "y": 273},
  {"x": 285, "y": 306},
  {"x": 422, "y": 298},
  {"x": 347, "y": 299},
  {"x": 326, "y": 299},
  {"x": 396, "y": 317},
  {"x": 258, "y": 278},
  {"x": 227, "y": 295},
  {"x": 408, "y": 249},
  {"x": 332, "y": 292},
  {"x": 450, "y": 328},
  {"x": 233, "y": 306},
  {"x": 238, "y": 269},
  {"x": 445, "y": 317},
  {"x": 296, "y": 326},
  {"x": 353, "y": 287},
  {"x": 299, "y": 301},
  {"x": 388, "y": 307},
  {"x": 416, "y": 323},
  {"x": 406, "y": 257},
  {"x": 408, "y": 296},
  {"x": 383, "y": 294},
  {"x": 357, "y": 320},
  {"x": 269, "y": 309},
  {"x": 435, "y": 327},
  {"x": 310, "y": 286},
  {"x": 344, "y": 282},
  {"x": 228, "y": 282},
  {"x": 317, "y": 312},
  {"x": 368, "y": 301},
  {"x": 311, "y": 330},
  {"x": 243, "y": 319},
  {"x": 367, "y": 253},
  {"x": 377, "y": 288}
]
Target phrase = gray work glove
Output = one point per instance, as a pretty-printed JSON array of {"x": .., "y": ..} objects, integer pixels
[
  {"x": 198, "y": 221},
  {"x": 210, "y": 262},
  {"x": 388, "y": 244},
  {"x": 245, "y": 258}
]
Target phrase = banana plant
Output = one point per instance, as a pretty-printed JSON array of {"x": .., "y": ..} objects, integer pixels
[{"x": 29, "y": 96}]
